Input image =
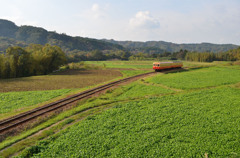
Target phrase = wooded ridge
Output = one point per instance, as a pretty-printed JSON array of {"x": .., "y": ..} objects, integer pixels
[
  {"x": 13, "y": 35},
  {"x": 28, "y": 34}
]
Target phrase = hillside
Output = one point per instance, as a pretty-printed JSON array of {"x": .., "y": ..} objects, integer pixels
[
  {"x": 6, "y": 42},
  {"x": 37, "y": 35},
  {"x": 11, "y": 34},
  {"x": 161, "y": 46}
]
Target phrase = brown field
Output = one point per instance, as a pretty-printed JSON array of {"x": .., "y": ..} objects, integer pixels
[{"x": 61, "y": 80}]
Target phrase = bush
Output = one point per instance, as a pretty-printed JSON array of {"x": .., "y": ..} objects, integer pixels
[
  {"x": 83, "y": 66},
  {"x": 29, "y": 152},
  {"x": 236, "y": 62}
]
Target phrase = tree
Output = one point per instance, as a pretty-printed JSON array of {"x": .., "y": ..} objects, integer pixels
[
  {"x": 125, "y": 55},
  {"x": 46, "y": 58},
  {"x": 97, "y": 55},
  {"x": 52, "y": 58},
  {"x": 33, "y": 60},
  {"x": 5, "y": 69},
  {"x": 1, "y": 65},
  {"x": 19, "y": 60},
  {"x": 181, "y": 54}
]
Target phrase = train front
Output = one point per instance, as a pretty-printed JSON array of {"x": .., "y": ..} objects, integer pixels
[{"x": 156, "y": 66}]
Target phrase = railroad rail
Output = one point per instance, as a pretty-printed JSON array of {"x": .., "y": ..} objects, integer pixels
[{"x": 22, "y": 118}]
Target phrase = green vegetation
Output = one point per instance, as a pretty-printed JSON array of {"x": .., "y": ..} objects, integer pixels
[
  {"x": 128, "y": 73},
  {"x": 161, "y": 46},
  {"x": 97, "y": 55},
  {"x": 6, "y": 42},
  {"x": 136, "y": 65},
  {"x": 33, "y": 60},
  {"x": 137, "y": 90},
  {"x": 37, "y": 35},
  {"x": 183, "y": 125},
  {"x": 199, "y": 78},
  {"x": 85, "y": 49},
  {"x": 12, "y": 101},
  {"x": 127, "y": 68},
  {"x": 152, "y": 117},
  {"x": 231, "y": 55},
  {"x": 63, "y": 120}
]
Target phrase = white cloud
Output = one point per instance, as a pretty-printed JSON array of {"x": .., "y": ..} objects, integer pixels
[
  {"x": 94, "y": 12},
  {"x": 143, "y": 19},
  {"x": 95, "y": 7},
  {"x": 98, "y": 11}
]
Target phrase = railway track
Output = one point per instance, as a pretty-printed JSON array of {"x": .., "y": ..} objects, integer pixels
[{"x": 22, "y": 118}]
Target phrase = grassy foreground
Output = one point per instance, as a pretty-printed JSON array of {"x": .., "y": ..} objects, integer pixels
[
  {"x": 199, "y": 78},
  {"x": 158, "y": 120},
  {"x": 11, "y": 101},
  {"x": 184, "y": 125}
]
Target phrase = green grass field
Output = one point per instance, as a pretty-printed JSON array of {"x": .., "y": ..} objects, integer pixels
[
  {"x": 182, "y": 114},
  {"x": 199, "y": 78},
  {"x": 183, "y": 125},
  {"x": 124, "y": 64},
  {"x": 128, "y": 73},
  {"x": 137, "y": 90},
  {"x": 146, "y": 65},
  {"x": 12, "y": 101},
  {"x": 155, "y": 118}
]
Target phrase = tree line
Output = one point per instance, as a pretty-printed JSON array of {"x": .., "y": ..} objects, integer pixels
[
  {"x": 35, "y": 59},
  {"x": 76, "y": 56},
  {"x": 231, "y": 55},
  {"x": 97, "y": 55}
]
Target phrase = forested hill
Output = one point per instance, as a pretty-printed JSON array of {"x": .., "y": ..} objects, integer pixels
[
  {"x": 28, "y": 34},
  {"x": 161, "y": 46},
  {"x": 6, "y": 42},
  {"x": 11, "y": 34}
]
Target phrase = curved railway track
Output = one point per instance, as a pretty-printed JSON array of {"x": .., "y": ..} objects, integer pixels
[{"x": 22, "y": 118}]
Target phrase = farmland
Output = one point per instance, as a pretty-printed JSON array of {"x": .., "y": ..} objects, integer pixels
[
  {"x": 181, "y": 114},
  {"x": 11, "y": 101},
  {"x": 61, "y": 80},
  {"x": 124, "y": 64},
  {"x": 22, "y": 94},
  {"x": 181, "y": 125},
  {"x": 137, "y": 90},
  {"x": 200, "y": 78}
]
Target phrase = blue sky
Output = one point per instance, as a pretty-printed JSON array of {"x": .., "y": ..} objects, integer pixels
[{"x": 178, "y": 21}]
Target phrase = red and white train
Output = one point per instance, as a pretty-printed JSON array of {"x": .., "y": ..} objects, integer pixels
[{"x": 158, "y": 66}]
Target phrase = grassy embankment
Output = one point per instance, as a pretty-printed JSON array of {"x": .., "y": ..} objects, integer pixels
[{"x": 155, "y": 117}]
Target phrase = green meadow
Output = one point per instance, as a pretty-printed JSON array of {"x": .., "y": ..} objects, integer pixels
[
  {"x": 199, "y": 78},
  {"x": 191, "y": 113},
  {"x": 11, "y": 101}
]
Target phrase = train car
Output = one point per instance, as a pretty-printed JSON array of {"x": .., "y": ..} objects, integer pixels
[{"x": 158, "y": 66}]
